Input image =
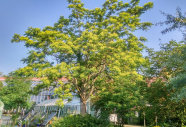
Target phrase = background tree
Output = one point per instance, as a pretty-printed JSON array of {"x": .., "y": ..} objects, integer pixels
[
  {"x": 177, "y": 64},
  {"x": 89, "y": 47},
  {"x": 169, "y": 62},
  {"x": 176, "y": 53},
  {"x": 161, "y": 105},
  {"x": 166, "y": 95},
  {"x": 121, "y": 98},
  {"x": 15, "y": 94},
  {"x": 175, "y": 22}
]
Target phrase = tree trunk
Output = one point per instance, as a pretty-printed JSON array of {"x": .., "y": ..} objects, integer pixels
[
  {"x": 83, "y": 107},
  {"x": 144, "y": 120}
]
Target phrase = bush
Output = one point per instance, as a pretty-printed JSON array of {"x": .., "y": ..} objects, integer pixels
[{"x": 80, "y": 121}]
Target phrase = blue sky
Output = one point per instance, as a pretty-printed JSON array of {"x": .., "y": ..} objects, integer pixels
[{"x": 17, "y": 15}]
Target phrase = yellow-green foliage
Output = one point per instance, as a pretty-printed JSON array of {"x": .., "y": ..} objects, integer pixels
[{"x": 89, "y": 47}]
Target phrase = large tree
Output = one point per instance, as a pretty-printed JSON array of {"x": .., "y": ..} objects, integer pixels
[{"x": 88, "y": 48}]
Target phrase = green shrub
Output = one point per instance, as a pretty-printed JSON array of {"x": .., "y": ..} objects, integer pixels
[{"x": 80, "y": 121}]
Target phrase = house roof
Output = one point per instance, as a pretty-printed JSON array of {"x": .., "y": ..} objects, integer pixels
[{"x": 2, "y": 78}]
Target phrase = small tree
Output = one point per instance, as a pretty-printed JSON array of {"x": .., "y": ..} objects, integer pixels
[
  {"x": 121, "y": 98},
  {"x": 16, "y": 93}
]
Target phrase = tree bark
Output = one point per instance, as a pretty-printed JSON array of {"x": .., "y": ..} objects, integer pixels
[{"x": 83, "y": 110}]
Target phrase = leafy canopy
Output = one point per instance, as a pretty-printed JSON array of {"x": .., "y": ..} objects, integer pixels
[{"x": 89, "y": 47}]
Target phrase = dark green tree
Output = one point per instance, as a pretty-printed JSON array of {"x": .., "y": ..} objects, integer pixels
[
  {"x": 166, "y": 94},
  {"x": 16, "y": 93},
  {"x": 122, "y": 98}
]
